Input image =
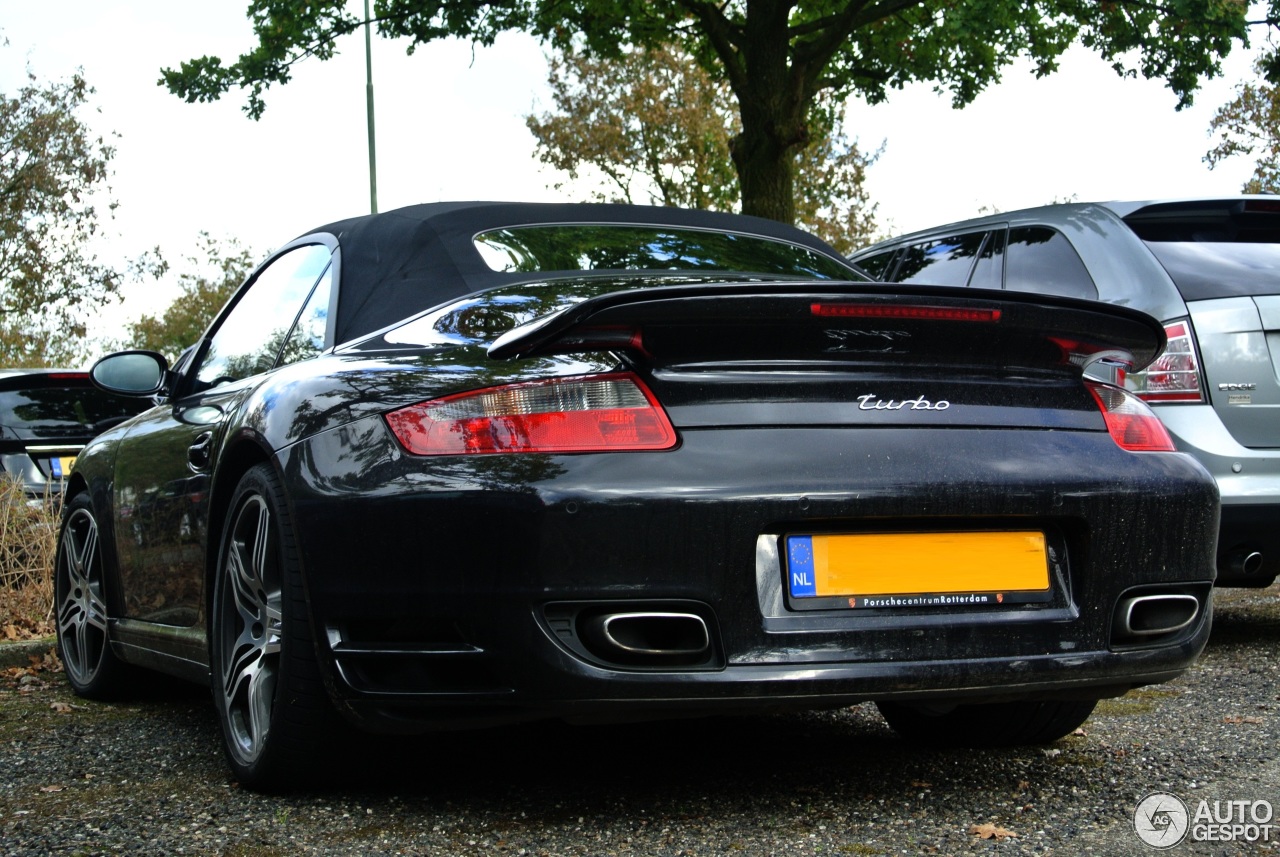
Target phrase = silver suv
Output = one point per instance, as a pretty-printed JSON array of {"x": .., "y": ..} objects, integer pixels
[{"x": 1209, "y": 269}]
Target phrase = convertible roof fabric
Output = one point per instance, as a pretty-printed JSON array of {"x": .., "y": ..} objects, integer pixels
[{"x": 401, "y": 262}]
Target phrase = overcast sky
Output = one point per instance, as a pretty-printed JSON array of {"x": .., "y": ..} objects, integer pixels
[{"x": 450, "y": 125}]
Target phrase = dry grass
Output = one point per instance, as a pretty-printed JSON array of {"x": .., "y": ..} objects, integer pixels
[{"x": 28, "y": 542}]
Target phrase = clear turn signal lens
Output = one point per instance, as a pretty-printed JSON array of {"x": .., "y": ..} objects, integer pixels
[
  {"x": 592, "y": 413},
  {"x": 1132, "y": 424},
  {"x": 1174, "y": 376}
]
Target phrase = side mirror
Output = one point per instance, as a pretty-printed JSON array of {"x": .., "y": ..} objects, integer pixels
[{"x": 131, "y": 373}]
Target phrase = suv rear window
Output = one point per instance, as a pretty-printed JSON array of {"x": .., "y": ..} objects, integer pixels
[{"x": 1203, "y": 270}]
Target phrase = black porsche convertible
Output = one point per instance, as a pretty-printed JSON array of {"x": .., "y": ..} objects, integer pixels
[{"x": 464, "y": 464}]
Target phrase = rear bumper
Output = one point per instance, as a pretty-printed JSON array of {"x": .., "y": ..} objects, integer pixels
[
  {"x": 1249, "y": 485},
  {"x": 603, "y": 696},
  {"x": 453, "y": 592}
]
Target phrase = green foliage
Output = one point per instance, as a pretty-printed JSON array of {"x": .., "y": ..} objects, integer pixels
[
  {"x": 650, "y": 122},
  {"x": 53, "y": 196},
  {"x": 1250, "y": 125},
  {"x": 776, "y": 56},
  {"x": 214, "y": 271},
  {"x": 656, "y": 127}
]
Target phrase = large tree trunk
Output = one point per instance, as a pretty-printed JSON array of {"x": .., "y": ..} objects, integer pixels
[
  {"x": 765, "y": 174},
  {"x": 774, "y": 107}
]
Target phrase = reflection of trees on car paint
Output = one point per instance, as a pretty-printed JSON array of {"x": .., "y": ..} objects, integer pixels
[{"x": 644, "y": 248}]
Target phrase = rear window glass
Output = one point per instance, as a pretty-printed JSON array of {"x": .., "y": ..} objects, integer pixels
[
  {"x": 52, "y": 412},
  {"x": 533, "y": 249},
  {"x": 1203, "y": 270}
]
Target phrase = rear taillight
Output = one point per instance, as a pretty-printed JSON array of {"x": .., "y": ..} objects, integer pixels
[
  {"x": 591, "y": 413},
  {"x": 1174, "y": 376},
  {"x": 1132, "y": 424}
]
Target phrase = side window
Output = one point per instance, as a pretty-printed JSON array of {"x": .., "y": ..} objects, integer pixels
[
  {"x": 940, "y": 262},
  {"x": 877, "y": 265},
  {"x": 252, "y": 335},
  {"x": 1042, "y": 260},
  {"x": 307, "y": 338},
  {"x": 988, "y": 272}
]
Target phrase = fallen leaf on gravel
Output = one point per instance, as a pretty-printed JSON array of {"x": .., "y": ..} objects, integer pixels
[
  {"x": 1235, "y": 719},
  {"x": 990, "y": 831},
  {"x": 51, "y": 789},
  {"x": 48, "y": 661},
  {"x": 62, "y": 707}
]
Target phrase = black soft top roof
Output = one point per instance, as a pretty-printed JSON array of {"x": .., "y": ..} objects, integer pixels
[{"x": 398, "y": 263}]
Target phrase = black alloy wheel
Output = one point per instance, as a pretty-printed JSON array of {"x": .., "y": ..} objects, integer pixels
[
  {"x": 266, "y": 684},
  {"x": 80, "y": 598},
  {"x": 997, "y": 724}
]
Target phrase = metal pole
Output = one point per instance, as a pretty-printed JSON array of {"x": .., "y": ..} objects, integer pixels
[{"x": 368, "y": 89}]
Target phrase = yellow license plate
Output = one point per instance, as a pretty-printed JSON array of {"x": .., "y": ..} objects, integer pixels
[
  {"x": 62, "y": 466},
  {"x": 877, "y": 569}
]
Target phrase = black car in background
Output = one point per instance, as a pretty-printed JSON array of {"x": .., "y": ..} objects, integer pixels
[
  {"x": 1209, "y": 270},
  {"x": 463, "y": 464},
  {"x": 46, "y": 418}
]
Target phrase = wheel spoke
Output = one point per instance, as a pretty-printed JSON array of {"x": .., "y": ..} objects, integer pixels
[
  {"x": 70, "y": 613},
  {"x": 262, "y": 688},
  {"x": 82, "y": 650},
  {"x": 243, "y": 586},
  {"x": 96, "y": 610},
  {"x": 83, "y": 559},
  {"x": 260, "y": 543}
]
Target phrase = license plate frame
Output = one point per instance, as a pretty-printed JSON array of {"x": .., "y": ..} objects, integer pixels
[{"x": 952, "y": 569}]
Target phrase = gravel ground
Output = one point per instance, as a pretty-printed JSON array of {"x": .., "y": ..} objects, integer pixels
[{"x": 146, "y": 777}]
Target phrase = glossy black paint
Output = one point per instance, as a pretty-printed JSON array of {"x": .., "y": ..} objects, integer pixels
[{"x": 456, "y": 589}]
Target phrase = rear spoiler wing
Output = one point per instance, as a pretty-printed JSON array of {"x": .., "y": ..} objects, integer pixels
[{"x": 861, "y": 322}]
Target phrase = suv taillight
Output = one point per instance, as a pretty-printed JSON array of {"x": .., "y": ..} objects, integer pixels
[
  {"x": 1131, "y": 423},
  {"x": 1174, "y": 376},
  {"x": 589, "y": 413}
]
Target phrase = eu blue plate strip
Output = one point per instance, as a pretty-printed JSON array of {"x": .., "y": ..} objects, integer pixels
[{"x": 800, "y": 567}]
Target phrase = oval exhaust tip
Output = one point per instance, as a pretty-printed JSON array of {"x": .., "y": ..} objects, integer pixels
[
  {"x": 1152, "y": 615},
  {"x": 649, "y": 636},
  {"x": 656, "y": 634}
]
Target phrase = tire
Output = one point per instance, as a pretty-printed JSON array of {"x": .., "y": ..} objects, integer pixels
[
  {"x": 80, "y": 591},
  {"x": 999, "y": 724},
  {"x": 267, "y": 687}
]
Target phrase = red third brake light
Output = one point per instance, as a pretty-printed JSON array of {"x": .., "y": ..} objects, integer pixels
[
  {"x": 1131, "y": 423},
  {"x": 900, "y": 311},
  {"x": 589, "y": 413}
]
